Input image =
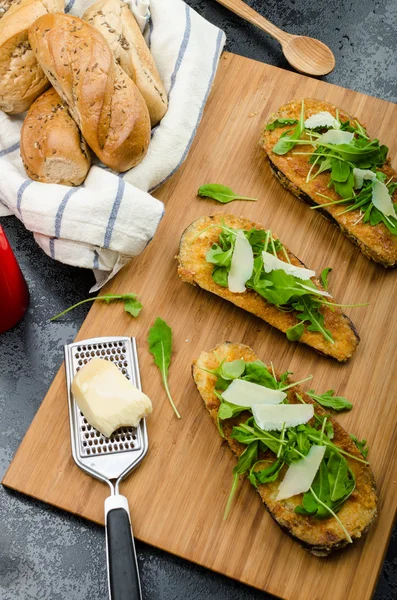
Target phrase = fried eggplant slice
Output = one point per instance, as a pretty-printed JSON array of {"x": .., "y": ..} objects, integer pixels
[
  {"x": 320, "y": 536},
  {"x": 194, "y": 269},
  {"x": 291, "y": 169}
]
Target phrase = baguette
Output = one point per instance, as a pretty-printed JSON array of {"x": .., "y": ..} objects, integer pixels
[
  {"x": 106, "y": 105},
  {"x": 21, "y": 78},
  {"x": 375, "y": 241},
  {"x": 52, "y": 148},
  {"x": 320, "y": 536},
  {"x": 194, "y": 269},
  {"x": 114, "y": 19}
]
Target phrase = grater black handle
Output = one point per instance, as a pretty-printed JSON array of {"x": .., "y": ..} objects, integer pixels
[{"x": 123, "y": 573}]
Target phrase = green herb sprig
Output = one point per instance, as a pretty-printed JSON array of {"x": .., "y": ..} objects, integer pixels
[
  {"x": 160, "y": 346},
  {"x": 220, "y": 193},
  {"x": 339, "y": 160},
  {"x": 287, "y": 292},
  {"x": 329, "y": 400},
  {"x": 334, "y": 482},
  {"x": 130, "y": 300},
  {"x": 362, "y": 201}
]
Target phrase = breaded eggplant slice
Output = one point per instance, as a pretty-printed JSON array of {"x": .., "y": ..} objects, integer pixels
[
  {"x": 320, "y": 536},
  {"x": 375, "y": 241},
  {"x": 194, "y": 269}
]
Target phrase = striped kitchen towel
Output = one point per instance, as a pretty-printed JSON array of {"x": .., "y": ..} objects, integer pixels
[{"x": 110, "y": 218}]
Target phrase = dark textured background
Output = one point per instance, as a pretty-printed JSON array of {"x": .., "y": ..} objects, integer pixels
[{"x": 49, "y": 555}]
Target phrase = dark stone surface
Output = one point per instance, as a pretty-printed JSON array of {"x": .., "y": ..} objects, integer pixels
[{"x": 49, "y": 555}]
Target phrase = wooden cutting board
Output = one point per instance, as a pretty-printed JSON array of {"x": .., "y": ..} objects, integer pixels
[{"x": 177, "y": 495}]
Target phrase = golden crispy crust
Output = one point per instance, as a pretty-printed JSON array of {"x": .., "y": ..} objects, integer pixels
[
  {"x": 321, "y": 536},
  {"x": 375, "y": 241},
  {"x": 105, "y": 103},
  {"x": 194, "y": 269}
]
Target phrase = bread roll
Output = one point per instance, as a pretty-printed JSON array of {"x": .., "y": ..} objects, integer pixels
[
  {"x": 21, "y": 78},
  {"x": 5, "y": 5},
  {"x": 106, "y": 105},
  {"x": 117, "y": 24},
  {"x": 52, "y": 147}
]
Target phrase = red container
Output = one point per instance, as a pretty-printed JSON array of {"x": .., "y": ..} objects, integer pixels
[{"x": 14, "y": 294}]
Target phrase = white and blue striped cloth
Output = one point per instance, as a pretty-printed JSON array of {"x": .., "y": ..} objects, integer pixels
[{"x": 111, "y": 218}]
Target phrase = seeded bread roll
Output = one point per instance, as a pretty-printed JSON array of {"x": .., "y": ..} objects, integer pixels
[
  {"x": 106, "y": 105},
  {"x": 52, "y": 147},
  {"x": 117, "y": 24},
  {"x": 5, "y": 5},
  {"x": 21, "y": 78}
]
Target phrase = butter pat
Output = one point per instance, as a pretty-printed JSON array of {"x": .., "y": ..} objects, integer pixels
[{"x": 107, "y": 399}]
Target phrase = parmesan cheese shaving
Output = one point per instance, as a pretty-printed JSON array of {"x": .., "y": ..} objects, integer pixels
[
  {"x": 300, "y": 475},
  {"x": 245, "y": 393},
  {"x": 335, "y": 136},
  {"x": 360, "y": 175},
  {"x": 322, "y": 119},
  {"x": 242, "y": 264},
  {"x": 381, "y": 199},
  {"x": 272, "y": 263},
  {"x": 272, "y": 418}
]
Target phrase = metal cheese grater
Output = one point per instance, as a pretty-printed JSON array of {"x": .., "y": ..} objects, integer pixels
[{"x": 110, "y": 459}]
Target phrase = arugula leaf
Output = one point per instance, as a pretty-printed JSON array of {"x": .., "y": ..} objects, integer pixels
[
  {"x": 131, "y": 303},
  {"x": 217, "y": 256},
  {"x": 340, "y": 170},
  {"x": 160, "y": 346},
  {"x": 132, "y": 306},
  {"x": 220, "y": 193},
  {"x": 361, "y": 445},
  {"x": 267, "y": 474},
  {"x": 222, "y": 384},
  {"x": 244, "y": 463},
  {"x": 221, "y": 276},
  {"x": 295, "y": 332},
  {"x": 287, "y": 142},
  {"x": 308, "y": 310},
  {"x": 337, "y": 476},
  {"x": 232, "y": 369},
  {"x": 329, "y": 400},
  {"x": 324, "y": 277},
  {"x": 280, "y": 123},
  {"x": 321, "y": 488},
  {"x": 257, "y": 372},
  {"x": 227, "y": 411},
  {"x": 345, "y": 189}
]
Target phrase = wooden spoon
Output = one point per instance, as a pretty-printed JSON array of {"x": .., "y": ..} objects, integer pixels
[{"x": 306, "y": 55}]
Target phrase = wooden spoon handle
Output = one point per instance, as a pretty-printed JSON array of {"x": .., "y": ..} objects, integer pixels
[{"x": 242, "y": 9}]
